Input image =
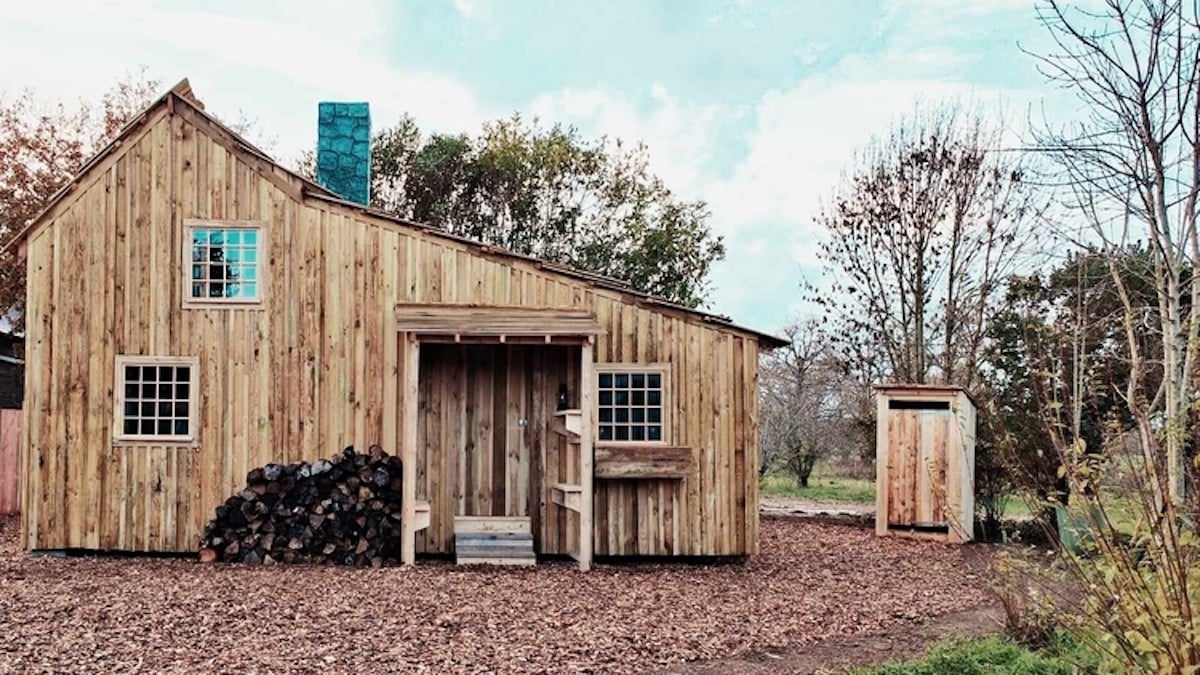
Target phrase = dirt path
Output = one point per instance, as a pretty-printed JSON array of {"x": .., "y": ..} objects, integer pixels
[
  {"x": 841, "y": 653},
  {"x": 844, "y": 652},
  {"x": 786, "y": 506}
]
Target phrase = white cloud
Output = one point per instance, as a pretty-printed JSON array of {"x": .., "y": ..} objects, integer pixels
[
  {"x": 679, "y": 136},
  {"x": 274, "y": 61}
]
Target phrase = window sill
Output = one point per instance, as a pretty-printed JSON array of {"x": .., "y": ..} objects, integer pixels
[
  {"x": 630, "y": 444},
  {"x": 223, "y": 304},
  {"x": 183, "y": 444}
]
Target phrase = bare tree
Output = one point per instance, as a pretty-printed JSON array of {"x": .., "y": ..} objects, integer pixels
[
  {"x": 921, "y": 234},
  {"x": 807, "y": 412},
  {"x": 1131, "y": 171}
]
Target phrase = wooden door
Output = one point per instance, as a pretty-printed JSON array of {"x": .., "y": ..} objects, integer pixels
[
  {"x": 918, "y": 438},
  {"x": 483, "y": 412}
]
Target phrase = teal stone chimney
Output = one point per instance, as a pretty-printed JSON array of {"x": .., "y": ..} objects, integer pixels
[{"x": 344, "y": 150}]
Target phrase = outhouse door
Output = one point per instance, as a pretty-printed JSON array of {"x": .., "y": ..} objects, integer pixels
[{"x": 918, "y": 439}]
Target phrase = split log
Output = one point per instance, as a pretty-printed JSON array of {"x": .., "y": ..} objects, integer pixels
[{"x": 343, "y": 511}]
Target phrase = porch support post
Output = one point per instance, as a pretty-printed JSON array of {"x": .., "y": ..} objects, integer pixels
[
  {"x": 587, "y": 387},
  {"x": 410, "y": 357}
]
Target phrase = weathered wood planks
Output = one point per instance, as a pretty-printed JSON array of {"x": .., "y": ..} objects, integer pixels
[{"x": 321, "y": 364}]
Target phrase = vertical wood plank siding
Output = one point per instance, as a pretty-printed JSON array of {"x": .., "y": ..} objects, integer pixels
[{"x": 315, "y": 367}]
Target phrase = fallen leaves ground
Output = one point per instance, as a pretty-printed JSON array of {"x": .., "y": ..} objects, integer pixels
[{"x": 166, "y": 615}]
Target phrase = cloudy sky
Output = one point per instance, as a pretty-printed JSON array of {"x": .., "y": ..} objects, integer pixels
[{"x": 755, "y": 106}]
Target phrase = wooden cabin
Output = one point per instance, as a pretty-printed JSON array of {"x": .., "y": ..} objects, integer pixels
[
  {"x": 196, "y": 310},
  {"x": 925, "y": 462}
]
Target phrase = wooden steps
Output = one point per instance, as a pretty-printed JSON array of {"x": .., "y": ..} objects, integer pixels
[{"x": 498, "y": 540}]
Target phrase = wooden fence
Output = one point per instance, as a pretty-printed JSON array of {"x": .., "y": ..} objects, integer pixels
[{"x": 10, "y": 461}]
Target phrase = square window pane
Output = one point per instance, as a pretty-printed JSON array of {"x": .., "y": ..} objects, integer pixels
[
  {"x": 164, "y": 391},
  {"x": 131, "y": 390},
  {"x": 637, "y": 415},
  {"x": 638, "y": 433},
  {"x": 654, "y": 380},
  {"x": 654, "y": 415},
  {"x": 621, "y": 397},
  {"x": 131, "y": 409},
  {"x": 181, "y": 410},
  {"x": 654, "y": 398},
  {"x": 131, "y": 373},
  {"x": 606, "y": 432},
  {"x": 183, "y": 373},
  {"x": 606, "y": 380},
  {"x": 606, "y": 398},
  {"x": 149, "y": 390},
  {"x": 181, "y": 427},
  {"x": 606, "y": 414},
  {"x": 637, "y": 398},
  {"x": 638, "y": 380},
  {"x": 622, "y": 433},
  {"x": 250, "y": 237},
  {"x": 182, "y": 390},
  {"x": 164, "y": 427},
  {"x": 197, "y": 290},
  {"x": 654, "y": 433},
  {"x": 165, "y": 409},
  {"x": 166, "y": 373},
  {"x": 249, "y": 290},
  {"x": 622, "y": 414},
  {"x": 147, "y": 410},
  {"x": 233, "y": 237},
  {"x": 251, "y": 256},
  {"x": 250, "y": 273},
  {"x": 129, "y": 427},
  {"x": 621, "y": 380},
  {"x": 146, "y": 427},
  {"x": 149, "y": 373}
]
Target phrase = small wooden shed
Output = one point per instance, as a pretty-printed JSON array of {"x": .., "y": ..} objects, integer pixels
[{"x": 925, "y": 462}]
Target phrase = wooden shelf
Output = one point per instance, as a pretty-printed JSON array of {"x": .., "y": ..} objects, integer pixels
[
  {"x": 421, "y": 516},
  {"x": 644, "y": 462},
  {"x": 572, "y": 420},
  {"x": 567, "y": 495}
]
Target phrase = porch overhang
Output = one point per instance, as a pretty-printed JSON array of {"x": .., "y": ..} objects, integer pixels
[{"x": 496, "y": 323}]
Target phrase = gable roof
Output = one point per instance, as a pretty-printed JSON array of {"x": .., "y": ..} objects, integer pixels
[{"x": 182, "y": 94}]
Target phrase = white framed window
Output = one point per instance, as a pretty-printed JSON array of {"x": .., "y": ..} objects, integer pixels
[
  {"x": 631, "y": 403},
  {"x": 223, "y": 262},
  {"x": 156, "y": 399}
]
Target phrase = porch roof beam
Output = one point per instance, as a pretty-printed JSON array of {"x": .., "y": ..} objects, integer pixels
[{"x": 495, "y": 323}]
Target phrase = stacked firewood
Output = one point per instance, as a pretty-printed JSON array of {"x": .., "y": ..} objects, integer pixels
[{"x": 342, "y": 511}]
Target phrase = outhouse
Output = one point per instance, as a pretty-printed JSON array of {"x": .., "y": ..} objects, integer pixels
[{"x": 925, "y": 462}]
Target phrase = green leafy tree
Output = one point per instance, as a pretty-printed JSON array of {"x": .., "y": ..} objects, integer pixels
[{"x": 549, "y": 193}]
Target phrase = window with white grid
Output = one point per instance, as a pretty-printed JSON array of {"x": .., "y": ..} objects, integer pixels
[
  {"x": 156, "y": 398},
  {"x": 224, "y": 262},
  {"x": 630, "y": 405}
]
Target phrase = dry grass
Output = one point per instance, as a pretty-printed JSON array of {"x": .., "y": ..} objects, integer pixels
[{"x": 121, "y": 614}]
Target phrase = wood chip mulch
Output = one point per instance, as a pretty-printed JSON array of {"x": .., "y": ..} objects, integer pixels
[{"x": 114, "y": 614}]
